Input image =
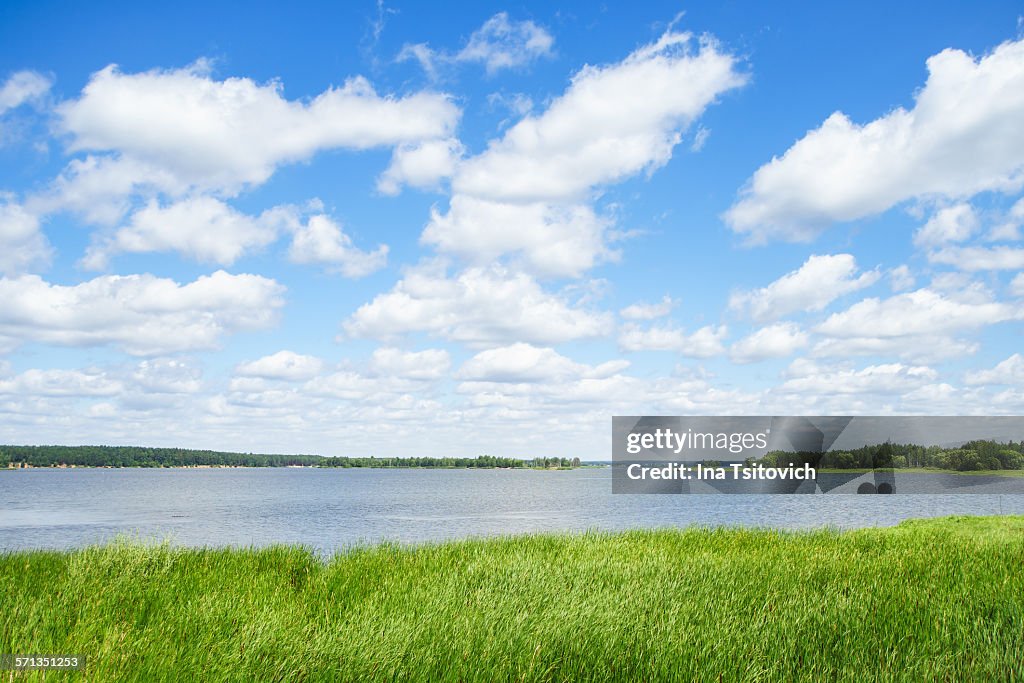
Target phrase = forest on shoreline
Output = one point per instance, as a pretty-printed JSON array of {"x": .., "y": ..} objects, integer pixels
[
  {"x": 972, "y": 456},
  {"x": 139, "y": 456}
]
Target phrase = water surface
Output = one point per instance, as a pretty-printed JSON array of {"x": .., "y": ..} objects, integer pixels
[{"x": 330, "y": 509}]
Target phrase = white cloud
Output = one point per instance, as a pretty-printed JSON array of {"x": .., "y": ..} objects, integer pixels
[
  {"x": 75, "y": 383},
  {"x": 812, "y": 287},
  {"x": 919, "y": 326},
  {"x": 227, "y": 134},
  {"x": 774, "y": 341},
  {"x": 612, "y": 122},
  {"x": 22, "y": 87},
  {"x": 166, "y": 376},
  {"x": 527, "y": 363},
  {"x": 209, "y": 230},
  {"x": 579, "y": 397},
  {"x": 960, "y": 287},
  {"x": 98, "y": 188},
  {"x": 980, "y": 258},
  {"x": 700, "y": 139},
  {"x": 920, "y": 348},
  {"x": 499, "y": 44},
  {"x": 1009, "y": 227},
  {"x": 428, "y": 59},
  {"x": 551, "y": 239},
  {"x": 917, "y": 313},
  {"x": 901, "y": 278},
  {"x": 890, "y": 378},
  {"x": 322, "y": 241},
  {"x": 704, "y": 343},
  {"x": 504, "y": 44},
  {"x": 201, "y": 228},
  {"x": 430, "y": 364},
  {"x": 284, "y": 365},
  {"x": 387, "y": 392},
  {"x": 480, "y": 307},
  {"x": 141, "y": 314},
  {"x": 951, "y": 224},
  {"x": 644, "y": 311},
  {"x": 517, "y": 104},
  {"x": 1010, "y": 371},
  {"x": 537, "y": 181},
  {"x": 1017, "y": 285},
  {"x": 961, "y": 137},
  {"x": 421, "y": 165},
  {"x": 22, "y": 244}
]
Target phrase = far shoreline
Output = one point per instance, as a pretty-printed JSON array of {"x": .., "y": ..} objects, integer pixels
[{"x": 582, "y": 466}]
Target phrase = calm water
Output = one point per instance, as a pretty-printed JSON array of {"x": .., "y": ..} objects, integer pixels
[{"x": 332, "y": 509}]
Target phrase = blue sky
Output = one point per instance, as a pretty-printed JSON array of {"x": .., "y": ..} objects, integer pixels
[{"x": 414, "y": 229}]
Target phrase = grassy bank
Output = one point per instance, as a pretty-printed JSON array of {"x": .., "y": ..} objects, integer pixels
[{"x": 927, "y": 600}]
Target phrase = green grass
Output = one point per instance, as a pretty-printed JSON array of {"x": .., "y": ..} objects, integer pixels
[{"x": 935, "y": 600}]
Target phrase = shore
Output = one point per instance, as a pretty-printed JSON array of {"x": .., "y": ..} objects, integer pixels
[
  {"x": 939, "y": 599},
  {"x": 826, "y": 470}
]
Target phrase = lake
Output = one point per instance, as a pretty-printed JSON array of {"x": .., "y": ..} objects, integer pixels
[{"x": 330, "y": 509}]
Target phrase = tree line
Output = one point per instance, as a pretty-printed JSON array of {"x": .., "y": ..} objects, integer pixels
[
  {"x": 139, "y": 456},
  {"x": 971, "y": 456}
]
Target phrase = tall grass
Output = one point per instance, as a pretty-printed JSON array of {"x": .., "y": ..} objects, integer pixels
[{"x": 926, "y": 600}]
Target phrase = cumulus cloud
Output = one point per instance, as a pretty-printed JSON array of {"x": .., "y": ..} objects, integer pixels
[
  {"x": 166, "y": 376},
  {"x": 951, "y": 224},
  {"x": 1009, "y": 371},
  {"x": 201, "y": 228},
  {"x": 920, "y": 348},
  {"x": 430, "y": 364},
  {"x": 889, "y": 378},
  {"x": 322, "y": 241},
  {"x": 99, "y": 188},
  {"x": 550, "y": 239},
  {"x": 644, "y": 311},
  {"x": 528, "y": 363},
  {"x": 1017, "y": 285},
  {"x": 961, "y": 137},
  {"x": 226, "y": 134},
  {"x": 1009, "y": 226},
  {"x": 980, "y": 258},
  {"x": 22, "y": 87},
  {"x": 704, "y": 343},
  {"x": 392, "y": 394},
  {"x": 284, "y": 365},
  {"x": 921, "y": 325},
  {"x": 536, "y": 183},
  {"x": 773, "y": 341},
  {"x": 208, "y": 230},
  {"x": 22, "y": 244},
  {"x": 812, "y": 287},
  {"x": 141, "y": 314},
  {"x": 921, "y": 312},
  {"x": 480, "y": 307},
  {"x": 64, "y": 383},
  {"x": 579, "y": 397},
  {"x": 612, "y": 122},
  {"x": 421, "y": 165},
  {"x": 901, "y": 279}
]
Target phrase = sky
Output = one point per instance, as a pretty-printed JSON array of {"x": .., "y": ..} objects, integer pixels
[{"x": 376, "y": 228}]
